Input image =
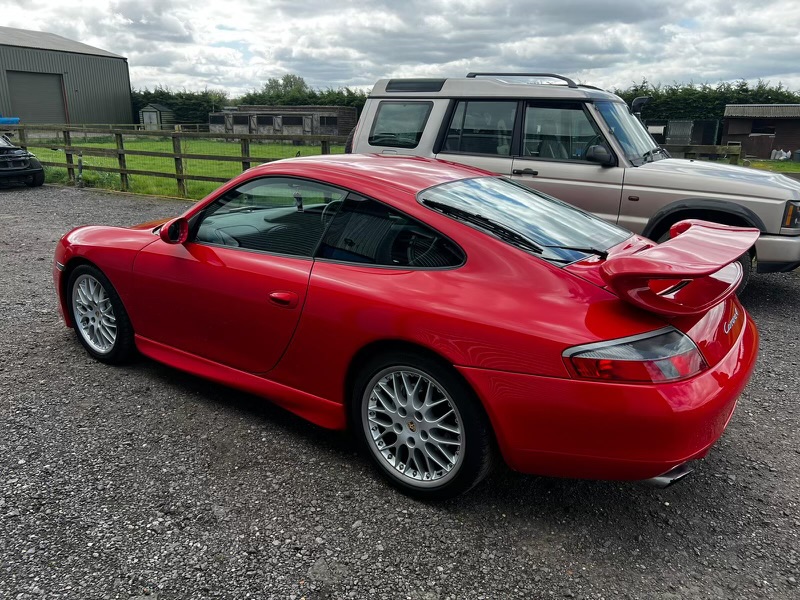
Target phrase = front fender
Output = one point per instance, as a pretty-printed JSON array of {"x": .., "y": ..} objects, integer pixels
[
  {"x": 110, "y": 249},
  {"x": 669, "y": 214}
]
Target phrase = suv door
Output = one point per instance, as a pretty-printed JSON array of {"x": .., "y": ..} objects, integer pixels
[
  {"x": 551, "y": 158},
  {"x": 480, "y": 134}
]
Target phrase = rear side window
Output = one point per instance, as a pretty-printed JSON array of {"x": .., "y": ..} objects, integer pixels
[
  {"x": 368, "y": 232},
  {"x": 481, "y": 127},
  {"x": 399, "y": 124}
]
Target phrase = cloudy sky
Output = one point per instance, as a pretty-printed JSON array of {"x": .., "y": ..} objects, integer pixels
[{"x": 236, "y": 45}]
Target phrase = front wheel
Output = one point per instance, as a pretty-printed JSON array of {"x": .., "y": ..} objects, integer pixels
[
  {"x": 422, "y": 426},
  {"x": 37, "y": 180},
  {"x": 101, "y": 322}
]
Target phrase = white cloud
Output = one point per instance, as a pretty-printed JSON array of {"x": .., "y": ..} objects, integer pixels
[{"x": 238, "y": 44}]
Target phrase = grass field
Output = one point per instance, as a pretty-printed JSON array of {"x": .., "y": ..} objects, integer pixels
[
  {"x": 779, "y": 166},
  {"x": 161, "y": 186}
]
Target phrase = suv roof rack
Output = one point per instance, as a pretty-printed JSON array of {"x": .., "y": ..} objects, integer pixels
[{"x": 568, "y": 81}]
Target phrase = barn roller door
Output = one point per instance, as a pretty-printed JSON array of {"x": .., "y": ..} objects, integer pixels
[{"x": 36, "y": 97}]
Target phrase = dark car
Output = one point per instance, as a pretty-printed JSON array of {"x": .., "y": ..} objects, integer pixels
[{"x": 18, "y": 165}]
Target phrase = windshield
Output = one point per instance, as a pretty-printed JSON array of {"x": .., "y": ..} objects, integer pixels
[
  {"x": 553, "y": 230},
  {"x": 629, "y": 131},
  {"x": 4, "y": 142}
]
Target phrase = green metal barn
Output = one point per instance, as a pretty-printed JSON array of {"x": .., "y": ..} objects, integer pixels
[{"x": 46, "y": 78}]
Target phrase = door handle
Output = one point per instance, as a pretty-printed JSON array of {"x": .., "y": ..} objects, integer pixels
[
  {"x": 524, "y": 172},
  {"x": 284, "y": 299}
]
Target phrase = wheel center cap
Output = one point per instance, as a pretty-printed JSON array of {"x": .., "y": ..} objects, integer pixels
[{"x": 412, "y": 426}]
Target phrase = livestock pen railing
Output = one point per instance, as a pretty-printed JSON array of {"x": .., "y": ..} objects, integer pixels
[{"x": 145, "y": 161}]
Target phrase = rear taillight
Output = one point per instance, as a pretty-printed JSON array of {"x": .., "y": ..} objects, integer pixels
[{"x": 663, "y": 355}]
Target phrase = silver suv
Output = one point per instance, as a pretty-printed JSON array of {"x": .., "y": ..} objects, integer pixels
[{"x": 582, "y": 145}]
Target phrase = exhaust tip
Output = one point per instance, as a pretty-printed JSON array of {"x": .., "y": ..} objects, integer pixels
[{"x": 674, "y": 475}]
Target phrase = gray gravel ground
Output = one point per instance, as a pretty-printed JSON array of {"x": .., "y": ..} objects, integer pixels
[{"x": 145, "y": 482}]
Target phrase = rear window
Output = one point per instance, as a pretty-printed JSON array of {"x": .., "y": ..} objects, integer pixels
[
  {"x": 515, "y": 213},
  {"x": 399, "y": 124}
]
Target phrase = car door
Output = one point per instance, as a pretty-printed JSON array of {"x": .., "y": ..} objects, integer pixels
[
  {"x": 552, "y": 158},
  {"x": 371, "y": 258},
  {"x": 233, "y": 294}
]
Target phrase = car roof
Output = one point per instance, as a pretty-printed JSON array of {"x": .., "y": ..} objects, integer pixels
[
  {"x": 499, "y": 86},
  {"x": 360, "y": 171}
]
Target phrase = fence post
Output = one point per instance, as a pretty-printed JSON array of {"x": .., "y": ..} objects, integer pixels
[
  {"x": 245, "y": 154},
  {"x": 734, "y": 158},
  {"x": 176, "y": 148},
  {"x": 123, "y": 165},
  {"x": 326, "y": 147},
  {"x": 23, "y": 141},
  {"x": 68, "y": 155}
]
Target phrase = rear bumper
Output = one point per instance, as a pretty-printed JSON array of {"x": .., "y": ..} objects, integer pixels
[{"x": 582, "y": 429}]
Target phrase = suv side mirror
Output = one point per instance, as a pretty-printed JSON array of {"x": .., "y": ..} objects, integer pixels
[
  {"x": 599, "y": 153},
  {"x": 175, "y": 231}
]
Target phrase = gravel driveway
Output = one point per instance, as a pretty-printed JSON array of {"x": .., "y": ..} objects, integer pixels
[{"x": 145, "y": 482}]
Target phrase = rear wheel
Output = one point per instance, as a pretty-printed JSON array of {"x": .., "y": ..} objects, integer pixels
[
  {"x": 745, "y": 260},
  {"x": 101, "y": 322},
  {"x": 422, "y": 425}
]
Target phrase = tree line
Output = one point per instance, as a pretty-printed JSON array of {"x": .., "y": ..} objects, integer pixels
[
  {"x": 674, "y": 101},
  {"x": 705, "y": 101}
]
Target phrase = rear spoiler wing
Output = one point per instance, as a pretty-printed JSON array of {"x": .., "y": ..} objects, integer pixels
[{"x": 694, "y": 270}]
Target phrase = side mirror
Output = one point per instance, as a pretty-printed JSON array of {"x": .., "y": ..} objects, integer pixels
[
  {"x": 638, "y": 104},
  {"x": 599, "y": 153},
  {"x": 175, "y": 231}
]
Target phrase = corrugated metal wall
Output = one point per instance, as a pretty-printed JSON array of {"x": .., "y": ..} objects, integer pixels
[{"x": 97, "y": 88}]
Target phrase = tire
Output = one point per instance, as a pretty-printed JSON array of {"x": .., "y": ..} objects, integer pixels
[
  {"x": 434, "y": 444},
  {"x": 100, "y": 320},
  {"x": 745, "y": 260},
  {"x": 36, "y": 180}
]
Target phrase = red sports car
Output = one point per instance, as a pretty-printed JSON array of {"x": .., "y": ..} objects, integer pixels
[{"x": 442, "y": 312}]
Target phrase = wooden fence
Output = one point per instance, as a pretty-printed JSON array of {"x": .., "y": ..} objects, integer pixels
[
  {"x": 75, "y": 143},
  {"x": 37, "y": 136}
]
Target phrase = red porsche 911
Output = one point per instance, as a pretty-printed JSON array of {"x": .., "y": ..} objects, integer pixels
[{"x": 445, "y": 314}]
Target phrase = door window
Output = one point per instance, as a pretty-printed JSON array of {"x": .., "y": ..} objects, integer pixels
[
  {"x": 277, "y": 214},
  {"x": 366, "y": 231},
  {"x": 399, "y": 124},
  {"x": 560, "y": 131},
  {"x": 480, "y": 127}
]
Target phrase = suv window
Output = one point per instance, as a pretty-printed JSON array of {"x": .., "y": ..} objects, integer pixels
[
  {"x": 399, "y": 124},
  {"x": 366, "y": 231},
  {"x": 481, "y": 127},
  {"x": 274, "y": 214},
  {"x": 558, "y": 131}
]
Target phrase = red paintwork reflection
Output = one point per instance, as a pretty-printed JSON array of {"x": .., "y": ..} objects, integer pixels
[{"x": 290, "y": 328}]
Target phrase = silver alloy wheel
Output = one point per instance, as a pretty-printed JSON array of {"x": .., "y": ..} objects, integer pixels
[
  {"x": 413, "y": 427},
  {"x": 93, "y": 314}
]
